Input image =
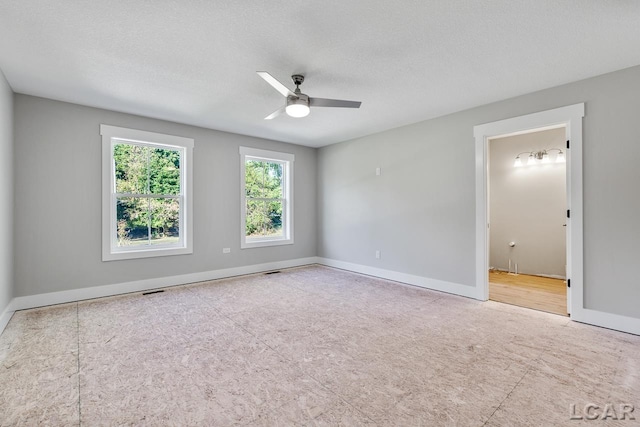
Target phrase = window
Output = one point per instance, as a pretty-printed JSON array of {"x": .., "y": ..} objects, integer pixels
[
  {"x": 146, "y": 194},
  {"x": 267, "y": 198}
]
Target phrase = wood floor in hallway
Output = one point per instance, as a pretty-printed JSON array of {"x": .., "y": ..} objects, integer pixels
[{"x": 539, "y": 293}]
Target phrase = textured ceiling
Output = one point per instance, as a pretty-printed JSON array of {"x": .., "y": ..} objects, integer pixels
[{"x": 194, "y": 62}]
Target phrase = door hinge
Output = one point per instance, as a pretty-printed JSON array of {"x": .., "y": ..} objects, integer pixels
[
  {"x": 567, "y": 144},
  {"x": 568, "y": 283},
  {"x": 568, "y": 213}
]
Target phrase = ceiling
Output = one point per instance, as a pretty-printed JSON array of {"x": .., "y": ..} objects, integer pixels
[{"x": 194, "y": 62}]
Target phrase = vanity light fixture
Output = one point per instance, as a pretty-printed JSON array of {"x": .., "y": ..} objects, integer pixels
[{"x": 540, "y": 157}]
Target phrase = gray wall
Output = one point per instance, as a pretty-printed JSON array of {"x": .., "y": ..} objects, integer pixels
[
  {"x": 58, "y": 200},
  {"x": 528, "y": 205},
  {"x": 6, "y": 193},
  {"x": 421, "y": 211}
]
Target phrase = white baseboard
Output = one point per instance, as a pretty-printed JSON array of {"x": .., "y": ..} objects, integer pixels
[
  {"x": 6, "y": 316},
  {"x": 596, "y": 318},
  {"x": 593, "y": 317},
  {"x": 40, "y": 300},
  {"x": 551, "y": 276},
  {"x": 608, "y": 320},
  {"x": 423, "y": 282}
]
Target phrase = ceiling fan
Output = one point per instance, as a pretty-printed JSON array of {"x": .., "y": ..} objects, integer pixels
[{"x": 298, "y": 103}]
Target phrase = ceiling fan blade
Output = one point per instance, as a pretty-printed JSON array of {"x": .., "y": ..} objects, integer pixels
[
  {"x": 324, "y": 102},
  {"x": 275, "y": 113},
  {"x": 275, "y": 83}
]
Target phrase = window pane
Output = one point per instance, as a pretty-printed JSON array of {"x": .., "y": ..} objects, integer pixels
[
  {"x": 264, "y": 218},
  {"x": 132, "y": 216},
  {"x": 255, "y": 217},
  {"x": 165, "y": 222},
  {"x": 263, "y": 179},
  {"x": 254, "y": 178},
  {"x": 274, "y": 181},
  {"x": 131, "y": 168},
  {"x": 274, "y": 212},
  {"x": 164, "y": 171}
]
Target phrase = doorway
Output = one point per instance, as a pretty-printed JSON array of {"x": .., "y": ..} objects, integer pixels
[
  {"x": 527, "y": 236},
  {"x": 571, "y": 118}
]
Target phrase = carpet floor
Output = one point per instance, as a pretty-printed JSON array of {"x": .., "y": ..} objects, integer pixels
[{"x": 309, "y": 346}]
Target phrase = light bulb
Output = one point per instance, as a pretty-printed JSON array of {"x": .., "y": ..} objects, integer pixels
[
  {"x": 517, "y": 163},
  {"x": 561, "y": 158},
  {"x": 545, "y": 157},
  {"x": 532, "y": 160}
]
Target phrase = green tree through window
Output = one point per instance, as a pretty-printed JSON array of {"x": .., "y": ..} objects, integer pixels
[
  {"x": 264, "y": 197},
  {"x": 266, "y": 193},
  {"x": 147, "y": 181}
]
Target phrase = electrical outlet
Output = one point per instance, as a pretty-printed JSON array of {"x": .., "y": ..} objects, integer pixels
[
  {"x": 377, "y": 254},
  {"x": 378, "y": 171},
  {"x": 226, "y": 250}
]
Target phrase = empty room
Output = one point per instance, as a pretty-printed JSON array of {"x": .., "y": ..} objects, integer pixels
[{"x": 319, "y": 213}]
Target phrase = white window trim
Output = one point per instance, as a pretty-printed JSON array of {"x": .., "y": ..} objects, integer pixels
[
  {"x": 110, "y": 252},
  {"x": 287, "y": 211}
]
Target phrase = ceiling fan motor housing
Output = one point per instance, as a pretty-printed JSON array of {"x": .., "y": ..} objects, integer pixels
[{"x": 300, "y": 98}]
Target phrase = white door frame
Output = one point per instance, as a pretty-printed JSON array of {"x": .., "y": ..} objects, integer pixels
[{"x": 571, "y": 118}]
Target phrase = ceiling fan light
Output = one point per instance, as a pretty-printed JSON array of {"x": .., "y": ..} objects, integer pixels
[
  {"x": 297, "y": 107},
  {"x": 297, "y": 110}
]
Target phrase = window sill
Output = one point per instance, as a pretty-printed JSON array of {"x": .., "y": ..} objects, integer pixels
[
  {"x": 265, "y": 243},
  {"x": 145, "y": 253}
]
